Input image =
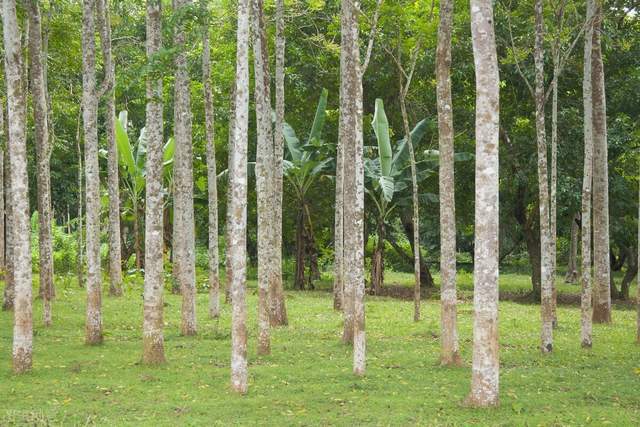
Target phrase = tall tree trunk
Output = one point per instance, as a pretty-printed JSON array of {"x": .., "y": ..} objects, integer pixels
[
  {"x": 353, "y": 184},
  {"x": 338, "y": 242},
  {"x": 21, "y": 252},
  {"x": 485, "y": 365},
  {"x": 43, "y": 155},
  {"x": 265, "y": 159},
  {"x": 3, "y": 147},
  {"x": 450, "y": 352},
  {"x": 212, "y": 184},
  {"x": 9, "y": 290},
  {"x": 587, "y": 182},
  {"x": 237, "y": 243},
  {"x": 115, "y": 251},
  {"x": 572, "y": 266},
  {"x": 543, "y": 188},
  {"x": 601, "y": 270},
  {"x": 415, "y": 206},
  {"x": 277, "y": 305},
  {"x": 229, "y": 217},
  {"x": 92, "y": 174},
  {"x": 137, "y": 244},
  {"x": 183, "y": 214},
  {"x": 80, "y": 226},
  {"x": 152, "y": 326}
]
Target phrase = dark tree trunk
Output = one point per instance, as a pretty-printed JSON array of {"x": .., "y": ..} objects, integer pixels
[
  {"x": 632, "y": 271},
  {"x": 377, "y": 261},
  {"x": 300, "y": 249}
]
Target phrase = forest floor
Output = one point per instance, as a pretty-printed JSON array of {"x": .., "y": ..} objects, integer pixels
[{"x": 307, "y": 380}]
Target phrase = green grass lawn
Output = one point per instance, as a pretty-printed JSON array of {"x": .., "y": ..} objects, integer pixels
[{"x": 307, "y": 380}]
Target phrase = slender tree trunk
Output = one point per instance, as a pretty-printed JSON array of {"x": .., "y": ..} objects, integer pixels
[
  {"x": 543, "y": 188},
  {"x": 377, "y": 261},
  {"x": 265, "y": 159},
  {"x": 80, "y": 226},
  {"x": 115, "y": 251},
  {"x": 3, "y": 147},
  {"x": 237, "y": 243},
  {"x": 212, "y": 184},
  {"x": 9, "y": 288},
  {"x": 485, "y": 365},
  {"x": 92, "y": 174},
  {"x": 300, "y": 250},
  {"x": 450, "y": 352},
  {"x": 416, "y": 210},
  {"x": 572, "y": 266},
  {"x": 353, "y": 184},
  {"x": 229, "y": 217},
  {"x": 137, "y": 244},
  {"x": 21, "y": 252},
  {"x": 183, "y": 214},
  {"x": 152, "y": 326},
  {"x": 630, "y": 274},
  {"x": 587, "y": 182},
  {"x": 601, "y": 271},
  {"x": 277, "y": 305},
  {"x": 43, "y": 154}
]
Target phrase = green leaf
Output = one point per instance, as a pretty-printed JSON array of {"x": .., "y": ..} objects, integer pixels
[
  {"x": 124, "y": 146},
  {"x": 387, "y": 186},
  {"x": 318, "y": 121},
  {"x": 381, "y": 129},
  {"x": 293, "y": 143}
]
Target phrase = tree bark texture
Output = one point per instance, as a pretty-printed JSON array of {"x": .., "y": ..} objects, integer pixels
[
  {"x": 153, "y": 324},
  {"x": 601, "y": 270},
  {"x": 353, "y": 184},
  {"x": 546, "y": 306},
  {"x": 485, "y": 364},
  {"x": 92, "y": 174},
  {"x": 43, "y": 156},
  {"x": 265, "y": 159},
  {"x": 115, "y": 250},
  {"x": 450, "y": 352},
  {"x": 183, "y": 214},
  {"x": 587, "y": 183},
  {"x": 237, "y": 243},
  {"x": 212, "y": 184},
  {"x": 19, "y": 200}
]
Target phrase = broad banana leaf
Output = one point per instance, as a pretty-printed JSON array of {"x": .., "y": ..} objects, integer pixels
[
  {"x": 381, "y": 129},
  {"x": 318, "y": 121},
  {"x": 125, "y": 151}
]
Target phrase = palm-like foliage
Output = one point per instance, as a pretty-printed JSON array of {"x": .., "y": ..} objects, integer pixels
[
  {"x": 305, "y": 164},
  {"x": 132, "y": 159}
]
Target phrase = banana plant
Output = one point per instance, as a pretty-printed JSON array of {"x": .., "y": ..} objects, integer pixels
[
  {"x": 132, "y": 159},
  {"x": 386, "y": 178},
  {"x": 304, "y": 164}
]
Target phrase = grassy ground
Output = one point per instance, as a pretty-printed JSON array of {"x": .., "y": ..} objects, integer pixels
[{"x": 307, "y": 380}]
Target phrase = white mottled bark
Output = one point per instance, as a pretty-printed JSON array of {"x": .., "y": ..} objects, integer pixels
[
  {"x": 601, "y": 262},
  {"x": 43, "y": 155},
  {"x": 183, "y": 214},
  {"x": 212, "y": 185},
  {"x": 237, "y": 244},
  {"x": 277, "y": 305},
  {"x": 486, "y": 364},
  {"x": 572, "y": 265},
  {"x": 543, "y": 187},
  {"x": 115, "y": 251},
  {"x": 92, "y": 174},
  {"x": 353, "y": 183},
  {"x": 265, "y": 158},
  {"x": 152, "y": 326},
  {"x": 587, "y": 183},
  {"x": 450, "y": 352},
  {"x": 21, "y": 252}
]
